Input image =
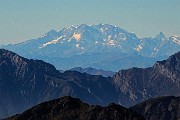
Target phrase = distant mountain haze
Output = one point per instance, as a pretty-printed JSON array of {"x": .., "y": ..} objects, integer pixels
[
  {"x": 93, "y": 71},
  {"x": 101, "y": 46}
]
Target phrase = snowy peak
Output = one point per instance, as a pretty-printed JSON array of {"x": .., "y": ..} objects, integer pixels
[
  {"x": 77, "y": 36},
  {"x": 88, "y": 36},
  {"x": 175, "y": 39},
  {"x": 96, "y": 46}
]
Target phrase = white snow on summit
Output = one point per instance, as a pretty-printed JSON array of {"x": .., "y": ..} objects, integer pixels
[
  {"x": 176, "y": 39},
  {"x": 51, "y": 42},
  {"x": 77, "y": 36},
  {"x": 77, "y": 45},
  {"x": 138, "y": 48},
  {"x": 112, "y": 42}
]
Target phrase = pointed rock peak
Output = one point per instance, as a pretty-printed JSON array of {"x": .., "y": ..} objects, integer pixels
[
  {"x": 51, "y": 32},
  {"x": 160, "y": 36},
  {"x": 172, "y": 62},
  {"x": 100, "y": 24}
]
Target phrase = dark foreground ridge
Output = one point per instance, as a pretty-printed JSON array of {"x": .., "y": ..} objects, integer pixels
[
  {"x": 68, "y": 108},
  {"x": 162, "y": 108}
]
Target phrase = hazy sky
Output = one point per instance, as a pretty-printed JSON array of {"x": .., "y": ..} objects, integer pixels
[{"x": 22, "y": 20}]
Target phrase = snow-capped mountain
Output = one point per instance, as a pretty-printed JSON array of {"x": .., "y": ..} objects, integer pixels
[{"x": 97, "y": 46}]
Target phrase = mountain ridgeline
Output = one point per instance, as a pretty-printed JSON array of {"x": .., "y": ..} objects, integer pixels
[
  {"x": 137, "y": 84},
  {"x": 97, "y": 46},
  {"x": 26, "y": 82},
  {"x": 68, "y": 108},
  {"x": 93, "y": 71},
  {"x": 162, "y": 108}
]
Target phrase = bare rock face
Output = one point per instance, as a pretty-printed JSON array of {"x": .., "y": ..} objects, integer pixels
[
  {"x": 136, "y": 84},
  {"x": 21, "y": 81},
  {"x": 68, "y": 108},
  {"x": 162, "y": 108},
  {"x": 25, "y": 83}
]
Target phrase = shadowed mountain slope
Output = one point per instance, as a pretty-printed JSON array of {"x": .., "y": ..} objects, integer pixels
[
  {"x": 137, "y": 84},
  {"x": 25, "y": 83},
  {"x": 162, "y": 108},
  {"x": 68, "y": 108}
]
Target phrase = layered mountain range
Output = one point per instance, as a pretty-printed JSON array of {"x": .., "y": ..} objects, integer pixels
[
  {"x": 26, "y": 82},
  {"x": 100, "y": 46}
]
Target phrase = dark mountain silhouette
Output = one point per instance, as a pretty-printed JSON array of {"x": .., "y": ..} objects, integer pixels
[
  {"x": 68, "y": 108},
  {"x": 136, "y": 84},
  {"x": 162, "y": 108},
  {"x": 25, "y": 83}
]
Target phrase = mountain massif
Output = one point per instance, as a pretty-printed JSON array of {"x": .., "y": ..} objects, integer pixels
[
  {"x": 100, "y": 46},
  {"x": 26, "y": 82},
  {"x": 68, "y": 108}
]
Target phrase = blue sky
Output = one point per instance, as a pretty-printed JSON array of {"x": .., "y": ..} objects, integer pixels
[{"x": 21, "y": 20}]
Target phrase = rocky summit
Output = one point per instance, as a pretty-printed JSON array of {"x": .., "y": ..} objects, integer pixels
[
  {"x": 68, "y": 108},
  {"x": 161, "y": 108},
  {"x": 137, "y": 84}
]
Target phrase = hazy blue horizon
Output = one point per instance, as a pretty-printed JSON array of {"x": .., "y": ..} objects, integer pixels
[{"x": 23, "y": 20}]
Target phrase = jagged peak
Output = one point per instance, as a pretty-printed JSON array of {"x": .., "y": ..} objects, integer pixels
[
  {"x": 160, "y": 36},
  {"x": 4, "y": 52},
  {"x": 15, "y": 58},
  {"x": 51, "y": 32},
  {"x": 172, "y": 62}
]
